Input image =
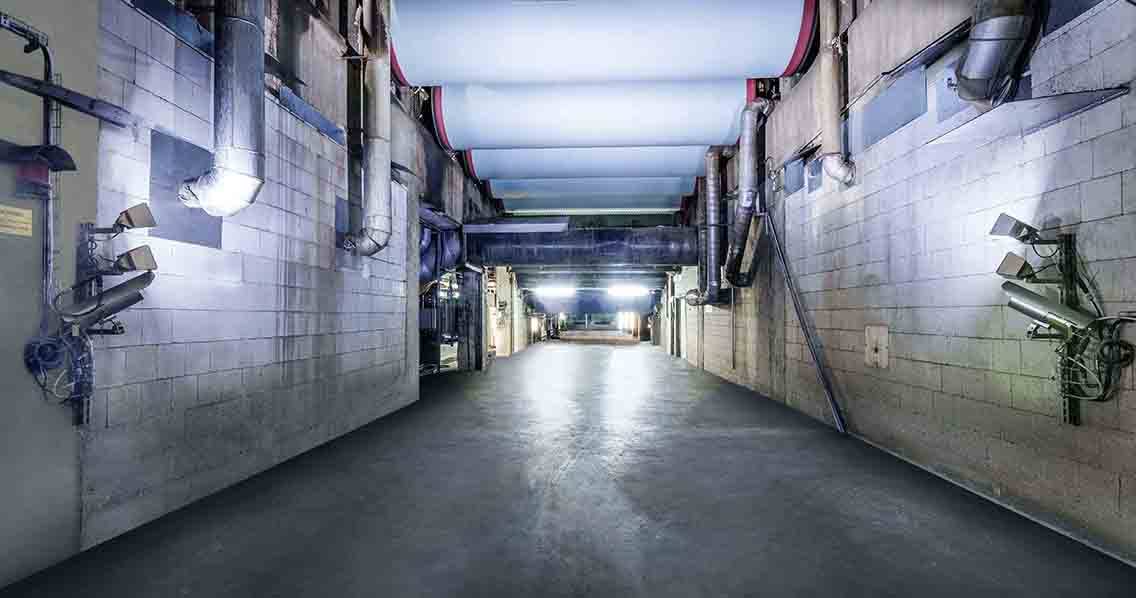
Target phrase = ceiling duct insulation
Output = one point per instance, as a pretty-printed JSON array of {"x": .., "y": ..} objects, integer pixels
[
  {"x": 594, "y": 187},
  {"x": 434, "y": 42},
  {"x": 596, "y": 162},
  {"x": 590, "y": 115},
  {"x": 601, "y": 204}
]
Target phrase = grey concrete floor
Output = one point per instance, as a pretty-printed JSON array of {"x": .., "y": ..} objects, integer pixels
[{"x": 575, "y": 470}]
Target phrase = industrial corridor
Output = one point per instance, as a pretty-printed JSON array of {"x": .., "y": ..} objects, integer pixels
[
  {"x": 500, "y": 298},
  {"x": 590, "y": 470}
]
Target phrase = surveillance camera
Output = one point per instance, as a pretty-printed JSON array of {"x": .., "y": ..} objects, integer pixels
[
  {"x": 111, "y": 301},
  {"x": 1047, "y": 312},
  {"x": 139, "y": 258},
  {"x": 1008, "y": 226},
  {"x": 1015, "y": 267}
]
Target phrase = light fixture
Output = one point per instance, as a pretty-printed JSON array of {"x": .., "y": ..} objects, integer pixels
[
  {"x": 137, "y": 216},
  {"x": 1046, "y": 313},
  {"x": 1008, "y": 226},
  {"x": 139, "y": 258},
  {"x": 1015, "y": 267},
  {"x": 563, "y": 316},
  {"x": 627, "y": 291},
  {"x": 553, "y": 292}
]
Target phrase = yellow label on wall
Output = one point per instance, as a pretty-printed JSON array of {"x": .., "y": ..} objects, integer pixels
[{"x": 15, "y": 221}]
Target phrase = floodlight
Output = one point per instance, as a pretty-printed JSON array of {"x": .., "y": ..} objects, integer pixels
[
  {"x": 554, "y": 291},
  {"x": 138, "y": 216},
  {"x": 1008, "y": 226},
  {"x": 139, "y": 258},
  {"x": 627, "y": 291},
  {"x": 1015, "y": 267},
  {"x": 1046, "y": 312}
]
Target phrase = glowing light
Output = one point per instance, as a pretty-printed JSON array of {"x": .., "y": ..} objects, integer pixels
[
  {"x": 563, "y": 317},
  {"x": 627, "y": 291},
  {"x": 554, "y": 291}
]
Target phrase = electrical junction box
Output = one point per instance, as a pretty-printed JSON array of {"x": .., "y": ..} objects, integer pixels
[{"x": 876, "y": 347}]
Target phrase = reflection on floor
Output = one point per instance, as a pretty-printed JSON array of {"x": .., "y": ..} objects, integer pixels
[{"x": 573, "y": 470}]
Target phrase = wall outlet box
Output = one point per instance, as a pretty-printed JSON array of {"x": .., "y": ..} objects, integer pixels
[{"x": 876, "y": 347}]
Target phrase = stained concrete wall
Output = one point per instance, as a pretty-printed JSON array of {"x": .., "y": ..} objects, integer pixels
[
  {"x": 39, "y": 498},
  {"x": 965, "y": 394}
]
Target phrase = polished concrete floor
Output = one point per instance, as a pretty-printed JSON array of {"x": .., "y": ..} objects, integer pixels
[{"x": 575, "y": 470}]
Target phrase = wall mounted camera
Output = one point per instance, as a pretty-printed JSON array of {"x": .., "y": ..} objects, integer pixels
[{"x": 1047, "y": 313}]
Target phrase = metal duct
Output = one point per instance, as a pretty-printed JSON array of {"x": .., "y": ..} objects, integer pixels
[
  {"x": 1001, "y": 39},
  {"x": 664, "y": 246},
  {"x": 600, "y": 204},
  {"x": 537, "y": 188},
  {"x": 749, "y": 187},
  {"x": 465, "y": 41},
  {"x": 715, "y": 227},
  {"x": 238, "y": 171},
  {"x": 378, "y": 192},
  {"x": 595, "y": 162},
  {"x": 833, "y": 154},
  {"x": 590, "y": 115}
]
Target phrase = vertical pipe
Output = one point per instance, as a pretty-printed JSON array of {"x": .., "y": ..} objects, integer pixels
[
  {"x": 48, "y": 281},
  {"x": 749, "y": 186},
  {"x": 239, "y": 158},
  {"x": 833, "y": 154},
  {"x": 715, "y": 227}
]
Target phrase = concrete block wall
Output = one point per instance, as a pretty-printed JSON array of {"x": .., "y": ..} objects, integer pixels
[
  {"x": 965, "y": 393},
  {"x": 244, "y": 356}
]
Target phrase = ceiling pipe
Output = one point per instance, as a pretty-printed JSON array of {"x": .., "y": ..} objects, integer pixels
[
  {"x": 715, "y": 227},
  {"x": 749, "y": 188},
  {"x": 506, "y": 41},
  {"x": 834, "y": 154},
  {"x": 378, "y": 224},
  {"x": 239, "y": 164},
  {"x": 583, "y": 115},
  {"x": 586, "y": 162},
  {"x": 658, "y": 246}
]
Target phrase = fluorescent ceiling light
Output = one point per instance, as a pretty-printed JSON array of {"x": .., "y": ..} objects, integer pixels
[
  {"x": 627, "y": 291},
  {"x": 554, "y": 291}
]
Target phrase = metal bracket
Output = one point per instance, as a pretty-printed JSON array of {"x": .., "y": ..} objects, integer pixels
[
  {"x": 1067, "y": 248},
  {"x": 99, "y": 109}
]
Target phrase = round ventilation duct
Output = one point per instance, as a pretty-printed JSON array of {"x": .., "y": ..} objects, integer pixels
[
  {"x": 593, "y": 162},
  {"x": 590, "y": 115},
  {"x": 595, "y": 187},
  {"x": 434, "y": 42}
]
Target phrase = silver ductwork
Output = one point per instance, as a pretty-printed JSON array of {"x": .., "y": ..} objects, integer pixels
[
  {"x": 1001, "y": 41},
  {"x": 238, "y": 171},
  {"x": 833, "y": 155},
  {"x": 749, "y": 186},
  {"x": 715, "y": 229},
  {"x": 378, "y": 224}
]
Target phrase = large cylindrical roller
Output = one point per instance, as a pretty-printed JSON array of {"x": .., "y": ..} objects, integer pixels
[
  {"x": 597, "y": 187},
  {"x": 434, "y": 42},
  {"x": 591, "y": 162},
  {"x": 590, "y": 115}
]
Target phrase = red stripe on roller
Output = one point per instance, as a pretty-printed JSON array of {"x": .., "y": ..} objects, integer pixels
[
  {"x": 439, "y": 121},
  {"x": 751, "y": 90},
  {"x": 804, "y": 38},
  {"x": 396, "y": 68},
  {"x": 469, "y": 163}
]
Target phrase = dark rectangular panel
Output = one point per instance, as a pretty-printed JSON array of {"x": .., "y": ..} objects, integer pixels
[
  {"x": 172, "y": 161},
  {"x": 794, "y": 176},
  {"x": 181, "y": 23},
  {"x": 1063, "y": 11},
  {"x": 902, "y": 102}
]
